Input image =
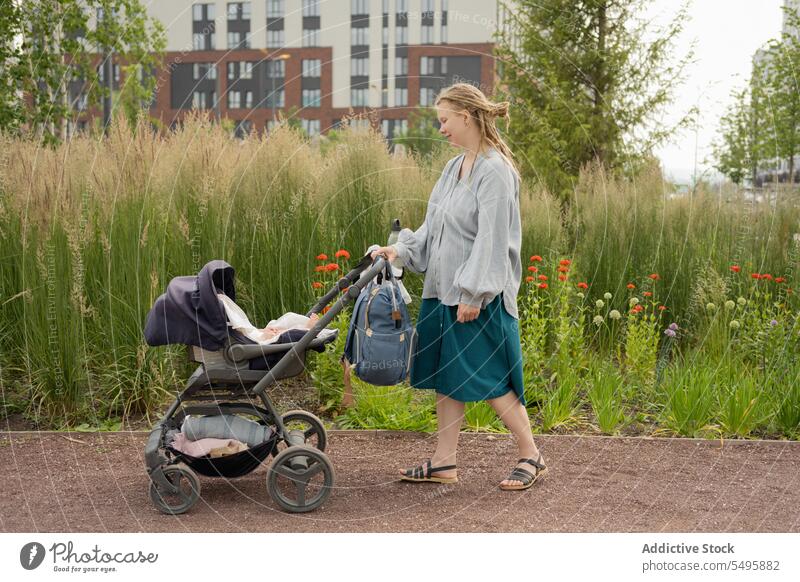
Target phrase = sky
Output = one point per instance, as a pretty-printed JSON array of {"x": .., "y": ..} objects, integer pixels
[{"x": 727, "y": 33}]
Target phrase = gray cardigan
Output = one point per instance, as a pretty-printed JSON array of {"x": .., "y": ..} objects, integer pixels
[{"x": 469, "y": 244}]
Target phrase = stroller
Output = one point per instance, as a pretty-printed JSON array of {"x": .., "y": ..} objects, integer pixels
[{"x": 231, "y": 380}]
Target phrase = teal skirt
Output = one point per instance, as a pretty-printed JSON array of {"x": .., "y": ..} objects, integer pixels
[{"x": 477, "y": 360}]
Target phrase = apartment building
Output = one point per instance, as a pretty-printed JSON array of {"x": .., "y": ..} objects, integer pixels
[{"x": 323, "y": 59}]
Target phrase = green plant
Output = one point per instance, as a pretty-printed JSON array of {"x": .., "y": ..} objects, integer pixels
[
  {"x": 481, "y": 417},
  {"x": 562, "y": 402},
  {"x": 606, "y": 395},
  {"x": 688, "y": 398},
  {"x": 388, "y": 407}
]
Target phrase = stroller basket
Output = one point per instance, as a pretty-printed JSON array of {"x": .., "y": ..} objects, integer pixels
[{"x": 230, "y": 466}]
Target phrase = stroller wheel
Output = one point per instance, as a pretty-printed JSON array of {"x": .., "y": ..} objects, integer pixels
[
  {"x": 186, "y": 494},
  {"x": 300, "y": 479},
  {"x": 312, "y": 428}
]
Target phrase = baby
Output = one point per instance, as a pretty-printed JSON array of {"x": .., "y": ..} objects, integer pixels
[
  {"x": 272, "y": 331},
  {"x": 239, "y": 321}
]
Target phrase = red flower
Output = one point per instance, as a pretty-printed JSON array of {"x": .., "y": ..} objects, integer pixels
[
  {"x": 341, "y": 253},
  {"x": 331, "y": 267},
  {"x": 533, "y": 269},
  {"x": 565, "y": 262},
  {"x": 637, "y": 308},
  {"x": 780, "y": 280},
  {"x": 322, "y": 257},
  {"x": 542, "y": 285},
  {"x": 662, "y": 307},
  {"x": 529, "y": 279},
  {"x": 536, "y": 259},
  {"x": 562, "y": 277},
  {"x": 631, "y": 286},
  {"x": 563, "y": 269},
  {"x": 316, "y": 285},
  {"x": 735, "y": 268},
  {"x": 583, "y": 285},
  {"x": 647, "y": 294},
  {"x": 767, "y": 276},
  {"x": 542, "y": 277},
  {"x": 654, "y": 276},
  {"x": 319, "y": 268},
  {"x": 755, "y": 275}
]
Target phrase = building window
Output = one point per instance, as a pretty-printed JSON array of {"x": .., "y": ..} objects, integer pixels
[
  {"x": 426, "y": 65},
  {"x": 201, "y": 12},
  {"x": 426, "y": 96},
  {"x": 427, "y": 34},
  {"x": 401, "y": 35},
  {"x": 385, "y": 35},
  {"x": 310, "y": 37},
  {"x": 359, "y": 7},
  {"x": 312, "y": 68},
  {"x": 358, "y": 97},
  {"x": 275, "y": 99},
  {"x": 400, "y": 96},
  {"x": 312, "y": 98},
  {"x": 401, "y": 66},
  {"x": 199, "y": 100},
  {"x": 385, "y": 97},
  {"x": 274, "y": 38},
  {"x": 402, "y": 6},
  {"x": 204, "y": 71},
  {"x": 444, "y": 21},
  {"x": 276, "y": 69},
  {"x": 311, "y": 126},
  {"x": 239, "y": 40},
  {"x": 239, "y": 11},
  {"x": 427, "y": 8},
  {"x": 385, "y": 128},
  {"x": 203, "y": 41},
  {"x": 240, "y": 70},
  {"x": 234, "y": 99},
  {"x": 275, "y": 8},
  {"x": 310, "y": 7},
  {"x": 359, "y": 67},
  {"x": 359, "y": 36},
  {"x": 443, "y": 65}
]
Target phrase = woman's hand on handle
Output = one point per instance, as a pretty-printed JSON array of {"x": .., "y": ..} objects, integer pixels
[{"x": 390, "y": 253}]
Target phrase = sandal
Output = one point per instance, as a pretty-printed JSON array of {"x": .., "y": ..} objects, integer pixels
[
  {"x": 423, "y": 473},
  {"x": 524, "y": 476}
]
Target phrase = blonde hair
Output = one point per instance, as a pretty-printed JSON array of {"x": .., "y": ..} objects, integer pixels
[{"x": 484, "y": 112}]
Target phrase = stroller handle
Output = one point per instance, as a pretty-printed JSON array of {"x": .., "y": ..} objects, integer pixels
[{"x": 356, "y": 280}]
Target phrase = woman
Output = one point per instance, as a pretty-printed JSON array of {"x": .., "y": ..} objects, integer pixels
[{"x": 468, "y": 346}]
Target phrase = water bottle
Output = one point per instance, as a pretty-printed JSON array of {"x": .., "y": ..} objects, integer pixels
[{"x": 398, "y": 263}]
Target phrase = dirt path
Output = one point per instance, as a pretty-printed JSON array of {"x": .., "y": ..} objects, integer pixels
[{"x": 51, "y": 483}]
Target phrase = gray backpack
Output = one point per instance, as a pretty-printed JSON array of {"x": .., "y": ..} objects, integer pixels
[{"x": 381, "y": 339}]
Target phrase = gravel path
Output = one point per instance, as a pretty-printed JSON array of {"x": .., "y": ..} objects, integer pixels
[{"x": 79, "y": 482}]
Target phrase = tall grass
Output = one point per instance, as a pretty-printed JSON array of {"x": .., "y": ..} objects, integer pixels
[{"x": 92, "y": 231}]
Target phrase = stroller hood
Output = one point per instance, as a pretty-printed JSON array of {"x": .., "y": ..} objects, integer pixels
[{"x": 190, "y": 311}]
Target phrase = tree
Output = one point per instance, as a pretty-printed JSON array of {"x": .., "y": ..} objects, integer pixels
[
  {"x": 588, "y": 80},
  {"x": 422, "y": 138},
  {"x": 736, "y": 150},
  {"x": 55, "y": 62},
  {"x": 781, "y": 90}
]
